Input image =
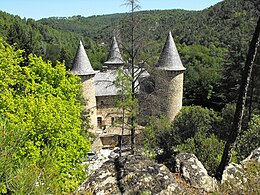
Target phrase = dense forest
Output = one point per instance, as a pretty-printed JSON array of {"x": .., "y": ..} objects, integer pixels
[{"x": 35, "y": 57}]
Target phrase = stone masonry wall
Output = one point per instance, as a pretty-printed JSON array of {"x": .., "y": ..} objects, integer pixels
[
  {"x": 88, "y": 93},
  {"x": 169, "y": 90},
  {"x": 175, "y": 94}
]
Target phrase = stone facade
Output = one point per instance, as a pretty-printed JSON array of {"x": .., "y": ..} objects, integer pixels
[{"x": 109, "y": 116}]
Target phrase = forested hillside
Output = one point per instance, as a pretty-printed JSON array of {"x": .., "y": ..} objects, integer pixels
[
  {"x": 212, "y": 43},
  {"x": 39, "y": 39}
]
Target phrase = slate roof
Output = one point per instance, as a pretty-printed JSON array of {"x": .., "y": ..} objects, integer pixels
[
  {"x": 81, "y": 65},
  {"x": 170, "y": 59},
  {"x": 114, "y": 56},
  {"x": 104, "y": 83}
]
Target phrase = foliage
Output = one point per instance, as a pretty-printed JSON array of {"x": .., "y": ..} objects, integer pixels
[
  {"x": 196, "y": 128},
  {"x": 199, "y": 131},
  {"x": 225, "y": 123},
  {"x": 34, "y": 37},
  {"x": 194, "y": 119},
  {"x": 203, "y": 76},
  {"x": 249, "y": 138},
  {"x": 44, "y": 101},
  {"x": 125, "y": 101}
]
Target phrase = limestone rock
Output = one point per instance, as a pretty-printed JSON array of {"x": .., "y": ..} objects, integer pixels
[
  {"x": 192, "y": 170},
  {"x": 131, "y": 174},
  {"x": 232, "y": 172}
]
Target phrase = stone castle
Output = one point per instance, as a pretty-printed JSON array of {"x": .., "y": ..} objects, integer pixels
[{"x": 100, "y": 93}]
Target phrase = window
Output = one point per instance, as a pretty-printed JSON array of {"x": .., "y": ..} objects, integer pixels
[
  {"x": 112, "y": 120},
  {"x": 99, "y": 122},
  {"x": 116, "y": 120}
]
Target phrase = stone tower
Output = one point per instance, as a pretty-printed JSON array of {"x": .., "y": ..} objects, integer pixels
[
  {"x": 169, "y": 79},
  {"x": 82, "y": 67},
  {"x": 115, "y": 59}
]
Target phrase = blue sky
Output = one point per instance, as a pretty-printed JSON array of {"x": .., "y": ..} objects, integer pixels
[{"x": 38, "y": 9}]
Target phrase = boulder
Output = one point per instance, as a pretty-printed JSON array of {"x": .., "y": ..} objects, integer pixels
[
  {"x": 192, "y": 170},
  {"x": 132, "y": 174}
]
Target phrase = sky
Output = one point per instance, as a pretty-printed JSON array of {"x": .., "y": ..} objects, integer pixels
[{"x": 38, "y": 9}]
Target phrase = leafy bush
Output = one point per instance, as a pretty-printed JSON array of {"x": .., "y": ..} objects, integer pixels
[
  {"x": 192, "y": 131},
  {"x": 194, "y": 119},
  {"x": 44, "y": 101},
  {"x": 207, "y": 149}
]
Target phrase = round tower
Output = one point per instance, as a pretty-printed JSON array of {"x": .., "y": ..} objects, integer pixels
[
  {"x": 82, "y": 67},
  {"x": 169, "y": 79}
]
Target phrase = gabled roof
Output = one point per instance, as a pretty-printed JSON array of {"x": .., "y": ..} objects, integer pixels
[
  {"x": 81, "y": 65},
  {"x": 170, "y": 59},
  {"x": 114, "y": 56}
]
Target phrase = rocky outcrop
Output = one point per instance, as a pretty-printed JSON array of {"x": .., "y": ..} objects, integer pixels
[
  {"x": 132, "y": 174},
  {"x": 135, "y": 174},
  {"x": 192, "y": 170}
]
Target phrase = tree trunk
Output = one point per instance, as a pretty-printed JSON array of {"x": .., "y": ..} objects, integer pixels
[
  {"x": 237, "y": 121},
  {"x": 133, "y": 77},
  {"x": 250, "y": 104}
]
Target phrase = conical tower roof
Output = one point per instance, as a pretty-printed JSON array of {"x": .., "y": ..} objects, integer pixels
[
  {"x": 114, "y": 57},
  {"x": 81, "y": 65},
  {"x": 170, "y": 59}
]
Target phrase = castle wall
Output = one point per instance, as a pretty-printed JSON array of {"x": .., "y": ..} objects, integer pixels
[{"x": 88, "y": 93}]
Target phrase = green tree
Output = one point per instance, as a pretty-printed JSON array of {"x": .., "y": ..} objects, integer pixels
[
  {"x": 127, "y": 105},
  {"x": 203, "y": 76},
  {"x": 191, "y": 124},
  {"x": 159, "y": 138}
]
